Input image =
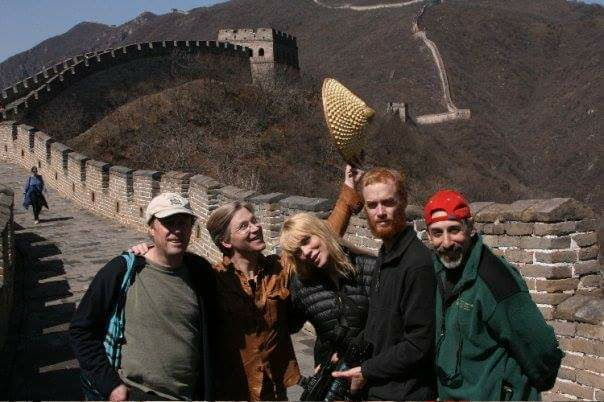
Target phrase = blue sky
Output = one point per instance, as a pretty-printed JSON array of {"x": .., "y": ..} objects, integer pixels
[{"x": 25, "y": 23}]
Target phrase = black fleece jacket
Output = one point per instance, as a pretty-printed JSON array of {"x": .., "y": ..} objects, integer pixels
[
  {"x": 400, "y": 323},
  {"x": 89, "y": 323}
]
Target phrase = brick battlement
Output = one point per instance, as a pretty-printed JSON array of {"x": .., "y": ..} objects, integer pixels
[
  {"x": 33, "y": 91},
  {"x": 271, "y": 50},
  {"x": 22, "y": 88},
  {"x": 266, "y": 49},
  {"x": 256, "y": 34}
]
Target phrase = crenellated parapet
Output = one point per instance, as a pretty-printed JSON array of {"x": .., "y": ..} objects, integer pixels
[
  {"x": 22, "y": 88},
  {"x": 266, "y": 49},
  {"x": 23, "y": 96},
  {"x": 257, "y": 34},
  {"x": 553, "y": 242}
]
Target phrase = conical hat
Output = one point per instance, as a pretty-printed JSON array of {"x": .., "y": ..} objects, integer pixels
[{"x": 347, "y": 118}]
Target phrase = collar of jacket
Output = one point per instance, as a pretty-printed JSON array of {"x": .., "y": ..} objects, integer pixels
[
  {"x": 228, "y": 265},
  {"x": 470, "y": 268},
  {"x": 401, "y": 242}
]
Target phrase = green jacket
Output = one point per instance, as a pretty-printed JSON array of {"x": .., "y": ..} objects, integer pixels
[{"x": 492, "y": 342}]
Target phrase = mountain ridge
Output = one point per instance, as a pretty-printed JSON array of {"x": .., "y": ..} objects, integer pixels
[{"x": 509, "y": 63}]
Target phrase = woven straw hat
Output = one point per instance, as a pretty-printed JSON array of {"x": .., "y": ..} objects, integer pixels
[{"x": 347, "y": 118}]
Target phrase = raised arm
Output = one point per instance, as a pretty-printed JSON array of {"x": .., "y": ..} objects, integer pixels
[{"x": 349, "y": 202}]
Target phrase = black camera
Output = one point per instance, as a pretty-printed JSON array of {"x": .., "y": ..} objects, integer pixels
[{"x": 323, "y": 387}]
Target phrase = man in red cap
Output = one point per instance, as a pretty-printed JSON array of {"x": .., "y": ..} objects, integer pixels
[{"x": 492, "y": 342}]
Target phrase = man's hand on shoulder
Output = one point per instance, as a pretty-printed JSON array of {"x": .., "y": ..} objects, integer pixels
[
  {"x": 355, "y": 375},
  {"x": 140, "y": 249},
  {"x": 119, "y": 393}
]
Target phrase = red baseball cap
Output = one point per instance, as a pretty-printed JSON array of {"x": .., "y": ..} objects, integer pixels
[{"x": 449, "y": 201}]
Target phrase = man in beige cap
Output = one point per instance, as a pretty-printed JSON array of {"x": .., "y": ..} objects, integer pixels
[{"x": 141, "y": 330}]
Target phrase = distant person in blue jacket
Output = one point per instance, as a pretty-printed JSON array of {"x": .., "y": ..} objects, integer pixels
[{"x": 33, "y": 194}]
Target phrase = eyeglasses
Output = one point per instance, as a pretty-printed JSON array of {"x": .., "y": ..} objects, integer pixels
[{"x": 246, "y": 225}]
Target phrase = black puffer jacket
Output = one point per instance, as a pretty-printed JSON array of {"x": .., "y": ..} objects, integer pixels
[{"x": 335, "y": 312}]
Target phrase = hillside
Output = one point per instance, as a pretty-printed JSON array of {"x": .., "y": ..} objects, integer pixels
[
  {"x": 233, "y": 132},
  {"x": 82, "y": 105},
  {"x": 530, "y": 71},
  {"x": 540, "y": 88},
  {"x": 269, "y": 140}
]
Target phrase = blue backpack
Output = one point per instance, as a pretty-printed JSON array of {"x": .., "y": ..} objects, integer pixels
[{"x": 115, "y": 331}]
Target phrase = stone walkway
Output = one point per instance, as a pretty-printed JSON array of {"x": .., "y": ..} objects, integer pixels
[{"x": 61, "y": 256}]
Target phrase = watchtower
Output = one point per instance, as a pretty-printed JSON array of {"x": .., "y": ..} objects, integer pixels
[
  {"x": 273, "y": 51},
  {"x": 398, "y": 108}
]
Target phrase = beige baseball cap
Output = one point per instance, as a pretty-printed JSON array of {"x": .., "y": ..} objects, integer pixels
[{"x": 167, "y": 204}]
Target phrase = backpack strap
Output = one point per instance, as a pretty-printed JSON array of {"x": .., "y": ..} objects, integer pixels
[
  {"x": 115, "y": 329},
  {"x": 127, "y": 281}
]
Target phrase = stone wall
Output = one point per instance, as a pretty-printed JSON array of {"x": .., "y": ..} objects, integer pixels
[
  {"x": 453, "y": 113},
  {"x": 553, "y": 242},
  {"x": 270, "y": 48},
  {"x": 7, "y": 261},
  {"x": 22, "y": 88},
  {"x": 33, "y": 91}
]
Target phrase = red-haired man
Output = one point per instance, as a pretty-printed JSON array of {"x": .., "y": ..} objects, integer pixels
[{"x": 400, "y": 322}]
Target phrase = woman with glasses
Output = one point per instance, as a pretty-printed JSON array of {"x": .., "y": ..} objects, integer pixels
[{"x": 257, "y": 360}]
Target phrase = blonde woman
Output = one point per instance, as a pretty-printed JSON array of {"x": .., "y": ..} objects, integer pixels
[{"x": 329, "y": 283}]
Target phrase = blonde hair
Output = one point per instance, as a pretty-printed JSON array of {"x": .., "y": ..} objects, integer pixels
[
  {"x": 219, "y": 220},
  {"x": 302, "y": 225}
]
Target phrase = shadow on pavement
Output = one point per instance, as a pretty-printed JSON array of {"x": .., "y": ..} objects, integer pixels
[
  {"x": 43, "y": 365},
  {"x": 66, "y": 218}
]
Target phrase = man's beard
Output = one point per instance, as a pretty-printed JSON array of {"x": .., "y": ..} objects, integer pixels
[
  {"x": 454, "y": 256},
  {"x": 394, "y": 227},
  {"x": 451, "y": 258}
]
